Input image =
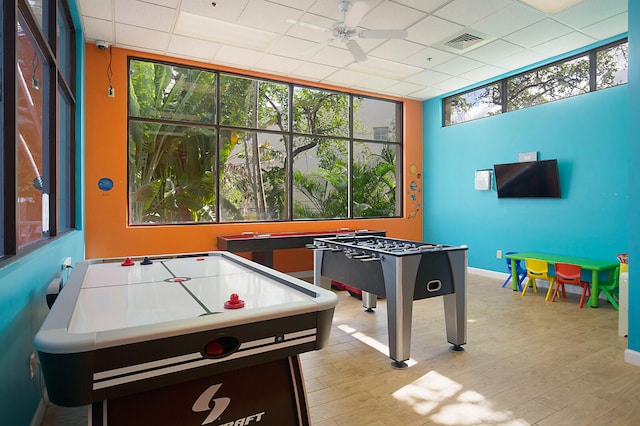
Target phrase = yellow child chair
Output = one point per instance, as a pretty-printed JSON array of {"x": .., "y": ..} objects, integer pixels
[{"x": 538, "y": 269}]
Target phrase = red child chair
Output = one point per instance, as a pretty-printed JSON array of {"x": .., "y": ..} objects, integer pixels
[{"x": 567, "y": 273}]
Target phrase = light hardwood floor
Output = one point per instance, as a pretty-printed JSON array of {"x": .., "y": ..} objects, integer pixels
[{"x": 527, "y": 362}]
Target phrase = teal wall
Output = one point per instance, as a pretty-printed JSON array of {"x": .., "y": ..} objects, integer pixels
[
  {"x": 588, "y": 136},
  {"x": 634, "y": 174},
  {"x": 23, "y": 308},
  {"x": 23, "y": 285}
]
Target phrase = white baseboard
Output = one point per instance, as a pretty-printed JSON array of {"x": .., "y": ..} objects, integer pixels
[
  {"x": 487, "y": 273},
  {"x": 632, "y": 357}
]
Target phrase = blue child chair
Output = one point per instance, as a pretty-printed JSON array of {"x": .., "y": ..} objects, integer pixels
[{"x": 520, "y": 270}]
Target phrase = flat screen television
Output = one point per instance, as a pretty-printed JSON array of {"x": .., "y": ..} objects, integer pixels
[{"x": 528, "y": 179}]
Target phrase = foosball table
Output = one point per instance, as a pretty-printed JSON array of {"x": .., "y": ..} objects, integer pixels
[{"x": 400, "y": 271}]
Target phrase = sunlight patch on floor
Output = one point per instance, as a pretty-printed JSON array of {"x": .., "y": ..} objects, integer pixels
[
  {"x": 370, "y": 341},
  {"x": 448, "y": 403}
]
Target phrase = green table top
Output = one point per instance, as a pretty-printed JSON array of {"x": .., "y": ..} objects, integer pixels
[{"x": 583, "y": 262}]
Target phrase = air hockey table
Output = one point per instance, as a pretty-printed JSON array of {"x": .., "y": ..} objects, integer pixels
[
  {"x": 261, "y": 246},
  {"x": 208, "y": 338},
  {"x": 401, "y": 271}
]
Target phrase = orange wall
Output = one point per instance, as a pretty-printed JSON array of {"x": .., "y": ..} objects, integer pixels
[{"x": 107, "y": 230}]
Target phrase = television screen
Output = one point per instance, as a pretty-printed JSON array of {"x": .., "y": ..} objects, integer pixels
[{"x": 529, "y": 179}]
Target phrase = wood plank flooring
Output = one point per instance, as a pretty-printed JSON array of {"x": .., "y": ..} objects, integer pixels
[{"x": 527, "y": 362}]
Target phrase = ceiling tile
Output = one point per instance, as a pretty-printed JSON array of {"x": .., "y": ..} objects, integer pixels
[
  {"x": 228, "y": 11},
  {"x": 384, "y": 68},
  {"x": 485, "y": 72},
  {"x": 333, "y": 57},
  {"x": 458, "y": 65},
  {"x": 538, "y": 33},
  {"x": 454, "y": 83},
  {"x": 311, "y": 27},
  {"x": 166, "y": 3},
  {"x": 293, "y": 47},
  {"x": 588, "y": 12},
  {"x": 375, "y": 83},
  {"x": 145, "y": 15},
  {"x": 508, "y": 20},
  {"x": 202, "y": 27},
  {"x": 520, "y": 60},
  {"x": 494, "y": 51},
  {"x": 278, "y": 64},
  {"x": 404, "y": 88},
  {"x": 346, "y": 78},
  {"x": 428, "y": 93},
  {"x": 329, "y": 8},
  {"x": 429, "y": 58},
  {"x": 237, "y": 56},
  {"x": 609, "y": 27},
  {"x": 423, "y": 5},
  {"x": 297, "y": 4},
  {"x": 315, "y": 72},
  {"x": 98, "y": 29},
  {"x": 396, "y": 50},
  {"x": 143, "y": 37},
  {"x": 564, "y": 44},
  {"x": 390, "y": 16},
  {"x": 431, "y": 30},
  {"x": 428, "y": 78},
  {"x": 192, "y": 47},
  {"x": 268, "y": 16},
  {"x": 466, "y": 12},
  {"x": 96, "y": 9}
]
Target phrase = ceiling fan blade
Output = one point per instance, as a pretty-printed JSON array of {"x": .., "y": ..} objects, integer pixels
[
  {"x": 383, "y": 34},
  {"x": 357, "y": 12},
  {"x": 356, "y": 51},
  {"x": 307, "y": 53},
  {"x": 306, "y": 25}
]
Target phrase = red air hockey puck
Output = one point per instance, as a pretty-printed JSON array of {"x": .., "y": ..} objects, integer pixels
[{"x": 234, "y": 302}]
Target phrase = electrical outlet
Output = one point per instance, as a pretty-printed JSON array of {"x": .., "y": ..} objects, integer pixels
[
  {"x": 498, "y": 254},
  {"x": 111, "y": 92},
  {"x": 32, "y": 365}
]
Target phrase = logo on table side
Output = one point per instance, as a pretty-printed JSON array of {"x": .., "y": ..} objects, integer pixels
[{"x": 219, "y": 405}]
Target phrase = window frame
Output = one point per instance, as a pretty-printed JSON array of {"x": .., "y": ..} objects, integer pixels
[
  {"x": 44, "y": 41},
  {"x": 290, "y": 133},
  {"x": 591, "y": 54}
]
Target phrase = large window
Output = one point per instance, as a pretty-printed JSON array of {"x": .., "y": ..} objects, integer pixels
[
  {"x": 207, "y": 146},
  {"x": 597, "y": 69},
  {"x": 37, "y": 158}
]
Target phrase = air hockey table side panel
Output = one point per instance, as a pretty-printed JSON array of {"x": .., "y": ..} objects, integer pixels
[
  {"x": 86, "y": 354},
  {"x": 76, "y": 379}
]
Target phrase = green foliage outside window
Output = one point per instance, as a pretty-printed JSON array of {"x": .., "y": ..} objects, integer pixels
[
  {"x": 215, "y": 147},
  {"x": 594, "y": 70}
]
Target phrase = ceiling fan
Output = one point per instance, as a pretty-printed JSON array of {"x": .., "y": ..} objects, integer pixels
[{"x": 344, "y": 31}]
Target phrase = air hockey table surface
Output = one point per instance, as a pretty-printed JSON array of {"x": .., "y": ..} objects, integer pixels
[{"x": 116, "y": 330}]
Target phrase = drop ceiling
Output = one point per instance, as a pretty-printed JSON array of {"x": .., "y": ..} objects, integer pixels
[{"x": 450, "y": 44}]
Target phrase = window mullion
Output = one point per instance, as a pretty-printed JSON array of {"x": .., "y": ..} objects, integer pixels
[{"x": 10, "y": 108}]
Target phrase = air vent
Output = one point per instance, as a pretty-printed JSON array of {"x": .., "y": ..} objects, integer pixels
[{"x": 463, "y": 41}]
